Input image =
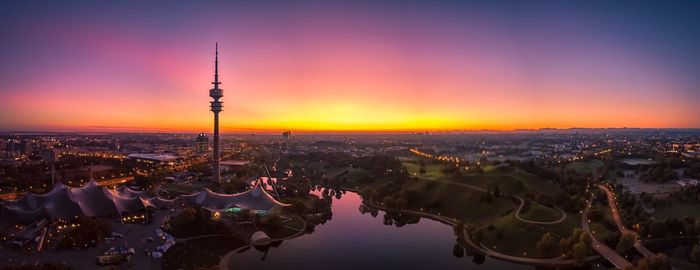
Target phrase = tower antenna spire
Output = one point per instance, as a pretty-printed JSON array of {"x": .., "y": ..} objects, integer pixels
[{"x": 216, "y": 67}]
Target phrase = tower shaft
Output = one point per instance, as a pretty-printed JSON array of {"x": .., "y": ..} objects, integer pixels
[{"x": 217, "y": 155}]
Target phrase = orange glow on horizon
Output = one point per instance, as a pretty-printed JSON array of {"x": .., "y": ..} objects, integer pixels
[{"x": 337, "y": 69}]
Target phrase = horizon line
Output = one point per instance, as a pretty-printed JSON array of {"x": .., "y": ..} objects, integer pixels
[{"x": 135, "y": 130}]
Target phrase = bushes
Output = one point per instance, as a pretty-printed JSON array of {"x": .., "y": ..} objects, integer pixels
[
  {"x": 657, "y": 262},
  {"x": 625, "y": 244},
  {"x": 579, "y": 252}
]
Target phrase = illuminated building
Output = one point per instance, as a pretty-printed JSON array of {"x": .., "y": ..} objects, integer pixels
[{"x": 202, "y": 143}]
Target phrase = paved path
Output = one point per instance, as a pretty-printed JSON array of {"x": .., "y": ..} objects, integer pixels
[
  {"x": 522, "y": 203},
  {"x": 550, "y": 262},
  {"x": 612, "y": 203}
]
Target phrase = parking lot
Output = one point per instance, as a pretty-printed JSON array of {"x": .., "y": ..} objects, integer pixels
[{"x": 134, "y": 236}]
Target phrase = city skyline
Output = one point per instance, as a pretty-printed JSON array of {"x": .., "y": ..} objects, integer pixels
[{"x": 365, "y": 66}]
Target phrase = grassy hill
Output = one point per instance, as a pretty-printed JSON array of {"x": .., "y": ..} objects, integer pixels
[{"x": 538, "y": 212}]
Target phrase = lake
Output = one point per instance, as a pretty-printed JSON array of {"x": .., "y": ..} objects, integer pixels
[{"x": 352, "y": 240}]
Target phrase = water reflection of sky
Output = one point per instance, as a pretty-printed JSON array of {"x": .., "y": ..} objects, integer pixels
[{"x": 351, "y": 240}]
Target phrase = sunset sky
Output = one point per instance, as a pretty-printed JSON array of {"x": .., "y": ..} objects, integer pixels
[{"x": 395, "y": 65}]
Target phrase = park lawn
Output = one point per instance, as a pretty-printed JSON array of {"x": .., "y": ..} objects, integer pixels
[
  {"x": 514, "y": 237},
  {"x": 432, "y": 170},
  {"x": 600, "y": 231},
  {"x": 466, "y": 203},
  {"x": 480, "y": 212},
  {"x": 458, "y": 202},
  {"x": 517, "y": 182},
  {"x": 677, "y": 210},
  {"x": 352, "y": 175},
  {"x": 489, "y": 167},
  {"x": 511, "y": 236},
  {"x": 564, "y": 228},
  {"x": 585, "y": 166},
  {"x": 538, "y": 212}
]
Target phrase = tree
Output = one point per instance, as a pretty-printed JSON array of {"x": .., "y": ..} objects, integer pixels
[
  {"x": 487, "y": 196},
  {"x": 566, "y": 244},
  {"x": 579, "y": 252},
  {"x": 458, "y": 228},
  {"x": 625, "y": 244},
  {"x": 595, "y": 214},
  {"x": 657, "y": 262},
  {"x": 478, "y": 235},
  {"x": 458, "y": 251},
  {"x": 547, "y": 246},
  {"x": 585, "y": 238},
  {"x": 89, "y": 231}
]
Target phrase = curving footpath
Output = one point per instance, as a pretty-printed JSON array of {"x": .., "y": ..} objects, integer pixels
[
  {"x": 550, "y": 262},
  {"x": 517, "y": 212},
  {"x": 224, "y": 262},
  {"x": 522, "y": 203},
  {"x": 179, "y": 240}
]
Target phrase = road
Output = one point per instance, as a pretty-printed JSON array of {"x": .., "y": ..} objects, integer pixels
[{"x": 612, "y": 203}]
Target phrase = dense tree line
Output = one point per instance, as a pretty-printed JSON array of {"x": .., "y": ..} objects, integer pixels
[
  {"x": 657, "y": 262},
  {"x": 659, "y": 174},
  {"x": 576, "y": 246},
  {"x": 692, "y": 171}
]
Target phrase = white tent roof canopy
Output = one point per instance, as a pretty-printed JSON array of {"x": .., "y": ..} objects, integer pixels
[{"x": 64, "y": 202}]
